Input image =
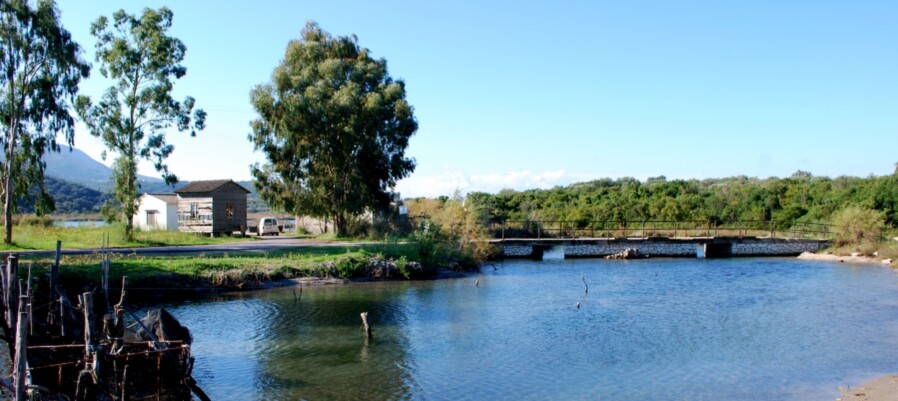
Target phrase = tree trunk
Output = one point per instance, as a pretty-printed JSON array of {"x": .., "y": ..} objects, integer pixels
[
  {"x": 7, "y": 210},
  {"x": 8, "y": 185},
  {"x": 340, "y": 224},
  {"x": 10, "y": 148},
  {"x": 128, "y": 206}
]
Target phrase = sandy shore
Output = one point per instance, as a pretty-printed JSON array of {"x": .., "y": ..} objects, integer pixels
[
  {"x": 836, "y": 258},
  {"x": 880, "y": 389}
]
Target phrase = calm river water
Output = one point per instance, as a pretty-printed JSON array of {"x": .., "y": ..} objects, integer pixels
[{"x": 674, "y": 329}]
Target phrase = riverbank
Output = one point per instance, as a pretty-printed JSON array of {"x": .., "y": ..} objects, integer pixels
[
  {"x": 880, "y": 389},
  {"x": 860, "y": 259},
  {"x": 176, "y": 275}
]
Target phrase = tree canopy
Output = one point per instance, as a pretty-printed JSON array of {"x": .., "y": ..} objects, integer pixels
[
  {"x": 801, "y": 198},
  {"x": 40, "y": 69},
  {"x": 333, "y": 126},
  {"x": 132, "y": 117}
]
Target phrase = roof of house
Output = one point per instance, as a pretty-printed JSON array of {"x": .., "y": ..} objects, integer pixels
[
  {"x": 167, "y": 198},
  {"x": 207, "y": 186}
]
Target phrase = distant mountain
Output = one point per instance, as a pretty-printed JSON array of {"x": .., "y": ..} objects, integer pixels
[
  {"x": 78, "y": 183},
  {"x": 77, "y": 167}
]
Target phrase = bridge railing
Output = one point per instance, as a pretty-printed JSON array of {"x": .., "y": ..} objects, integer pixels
[{"x": 538, "y": 229}]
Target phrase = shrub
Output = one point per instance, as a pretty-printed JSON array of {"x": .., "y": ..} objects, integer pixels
[
  {"x": 856, "y": 224},
  {"x": 402, "y": 266},
  {"x": 33, "y": 220}
]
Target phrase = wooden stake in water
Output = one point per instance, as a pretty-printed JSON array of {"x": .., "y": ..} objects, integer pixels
[{"x": 364, "y": 316}]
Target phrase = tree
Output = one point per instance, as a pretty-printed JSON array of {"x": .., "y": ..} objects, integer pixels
[
  {"x": 133, "y": 115},
  {"x": 333, "y": 126},
  {"x": 40, "y": 68}
]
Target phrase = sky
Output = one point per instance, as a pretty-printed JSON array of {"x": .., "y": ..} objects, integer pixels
[{"x": 521, "y": 94}]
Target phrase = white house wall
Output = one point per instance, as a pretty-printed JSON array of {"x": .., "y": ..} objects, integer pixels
[{"x": 168, "y": 215}]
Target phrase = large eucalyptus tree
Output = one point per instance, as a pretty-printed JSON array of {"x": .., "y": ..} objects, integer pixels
[
  {"x": 334, "y": 127},
  {"x": 132, "y": 117},
  {"x": 40, "y": 69}
]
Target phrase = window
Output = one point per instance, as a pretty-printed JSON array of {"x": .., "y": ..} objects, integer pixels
[
  {"x": 229, "y": 209},
  {"x": 194, "y": 210}
]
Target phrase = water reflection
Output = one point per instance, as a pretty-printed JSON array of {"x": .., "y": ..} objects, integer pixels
[
  {"x": 316, "y": 349},
  {"x": 740, "y": 329}
]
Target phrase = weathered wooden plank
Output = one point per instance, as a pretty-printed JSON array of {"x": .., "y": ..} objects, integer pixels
[
  {"x": 21, "y": 356},
  {"x": 223, "y": 210}
]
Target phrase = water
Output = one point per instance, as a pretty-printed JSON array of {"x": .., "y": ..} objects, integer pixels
[
  {"x": 677, "y": 329},
  {"x": 79, "y": 223}
]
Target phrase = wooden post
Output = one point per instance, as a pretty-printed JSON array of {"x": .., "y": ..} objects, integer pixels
[
  {"x": 3, "y": 281},
  {"x": 54, "y": 281},
  {"x": 364, "y": 316},
  {"x": 58, "y": 253},
  {"x": 11, "y": 292},
  {"x": 104, "y": 265},
  {"x": 89, "y": 329},
  {"x": 61, "y": 316},
  {"x": 119, "y": 309},
  {"x": 121, "y": 300},
  {"x": 28, "y": 299},
  {"x": 21, "y": 358}
]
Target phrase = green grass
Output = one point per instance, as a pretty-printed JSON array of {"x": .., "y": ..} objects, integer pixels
[
  {"x": 37, "y": 236},
  {"x": 231, "y": 271}
]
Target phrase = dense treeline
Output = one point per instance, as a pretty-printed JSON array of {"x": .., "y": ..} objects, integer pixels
[
  {"x": 800, "y": 198},
  {"x": 67, "y": 198}
]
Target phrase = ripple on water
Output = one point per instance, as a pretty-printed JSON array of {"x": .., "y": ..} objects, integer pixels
[{"x": 742, "y": 329}]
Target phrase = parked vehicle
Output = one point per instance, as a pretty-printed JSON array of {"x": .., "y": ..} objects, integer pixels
[{"x": 269, "y": 226}]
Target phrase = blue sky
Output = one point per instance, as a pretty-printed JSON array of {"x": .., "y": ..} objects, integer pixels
[{"x": 514, "y": 94}]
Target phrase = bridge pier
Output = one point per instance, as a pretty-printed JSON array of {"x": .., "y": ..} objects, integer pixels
[
  {"x": 524, "y": 251},
  {"x": 717, "y": 250}
]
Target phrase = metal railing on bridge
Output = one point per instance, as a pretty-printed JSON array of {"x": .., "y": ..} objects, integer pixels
[{"x": 548, "y": 229}]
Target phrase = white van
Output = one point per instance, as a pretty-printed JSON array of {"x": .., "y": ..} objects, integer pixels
[{"x": 269, "y": 226}]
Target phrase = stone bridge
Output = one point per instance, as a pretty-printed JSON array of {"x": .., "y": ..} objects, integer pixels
[{"x": 691, "y": 247}]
